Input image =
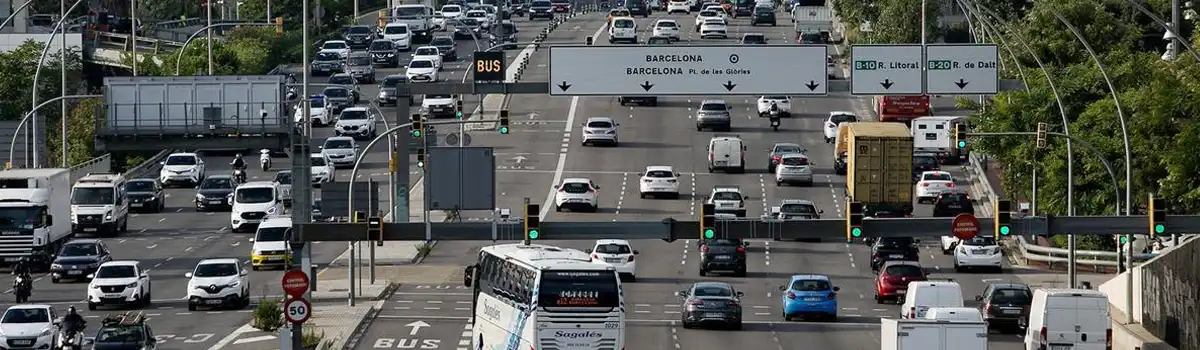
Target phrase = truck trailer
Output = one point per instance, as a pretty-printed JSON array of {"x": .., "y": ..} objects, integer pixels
[
  {"x": 923, "y": 334},
  {"x": 877, "y": 161},
  {"x": 35, "y": 214}
]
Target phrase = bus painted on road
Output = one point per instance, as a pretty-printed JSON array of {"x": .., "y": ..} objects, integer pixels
[{"x": 534, "y": 297}]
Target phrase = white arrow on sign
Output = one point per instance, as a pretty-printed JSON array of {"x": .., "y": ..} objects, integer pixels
[
  {"x": 519, "y": 159},
  {"x": 416, "y": 326}
]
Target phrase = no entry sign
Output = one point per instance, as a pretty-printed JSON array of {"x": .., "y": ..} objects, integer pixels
[
  {"x": 295, "y": 283},
  {"x": 965, "y": 226}
]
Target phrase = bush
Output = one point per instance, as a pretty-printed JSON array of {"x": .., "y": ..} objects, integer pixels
[
  {"x": 268, "y": 316},
  {"x": 312, "y": 340}
]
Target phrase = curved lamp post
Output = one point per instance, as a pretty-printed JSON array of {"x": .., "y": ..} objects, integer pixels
[
  {"x": 986, "y": 26},
  {"x": 179, "y": 57},
  {"x": 1166, "y": 26},
  {"x": 13, "y": 144},
  {"x": 15, "y": 12},
  {"x": 37, "y": 73}
]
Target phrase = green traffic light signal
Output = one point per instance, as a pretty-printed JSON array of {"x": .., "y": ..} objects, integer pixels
[
  {"x": 458, "y": 115},
  {"x": 709, "y": 233},
  {"x": 416, "y": 133},
  {"x": 856, "y": 232},
  {"x": 962, "y": 144},
  {"x": 1004, "y": 230},
  {"x": 1160, "y": 228},
  {"x": 533, "y": 234},
  {"x": 1122, "y": 239},
  {"x": 504, "y": 130}
]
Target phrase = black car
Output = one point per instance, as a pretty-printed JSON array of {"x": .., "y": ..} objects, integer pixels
[
  {"x": 637, "y": 7},
  {"x": 327, "y": 63},
  {"x": 127, "y": 331},
  {"x": 893, "y": 248},
  {"x": 505, "y": 34},
  {"x": 723, "y": 254},
  {"x": 1005, "y": 306},
  {"x": 213, "y": 193},
  {"x": 754, "y": 39},
  {"x": 145, "y": 195},
  {"x": 517, "y": 7},
  {"x": 743, "y": 8},
  {"x": 541, "y": 9},
  {"x": 446, "y": 46},
  {"x": 348, "y": 81},
  {"x": 77, "y": 259},
  {"x": 467, "y": 28},
  {"x": 763, "y": 15},
  {"x": 922, "y": 162},
  {"x": 383, "y": 52},
  {"x": 950, "y": 204},
  {"x": 359, "y": 36},
  {"x": 387, "y": 90},
  {"x": 711, "y": 303}
]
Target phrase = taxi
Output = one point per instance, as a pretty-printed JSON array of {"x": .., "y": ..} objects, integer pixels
[
  {"x": 616, "y": 13},
  {"x": 270, "y": 244}
]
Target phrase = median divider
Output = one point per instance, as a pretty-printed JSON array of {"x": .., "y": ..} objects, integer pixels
[{"x": 149, "y": 167}]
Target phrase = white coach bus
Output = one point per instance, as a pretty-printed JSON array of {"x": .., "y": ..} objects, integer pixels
[{"x": 535, "y": 297}]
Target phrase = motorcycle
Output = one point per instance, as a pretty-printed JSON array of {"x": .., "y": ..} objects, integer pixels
[
  {"x": 291, "y": 94},
  {"x": 70, "y": 340},
  {"x": 775, "y": 120},
  {"x": 239, "y": 175},
  {"x": 264, "y": 159},
  {"x": 22, "y": 288}
]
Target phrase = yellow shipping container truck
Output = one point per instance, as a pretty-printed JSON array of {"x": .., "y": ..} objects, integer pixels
[{"x": 877, "y": 160}]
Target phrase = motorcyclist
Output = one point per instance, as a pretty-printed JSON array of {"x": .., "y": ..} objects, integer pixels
[
  {"x": 20, "y": 269},
  {"x": 72, "y": 322},
  {"x": 238, "y": 162},
  {"x": 774, "y": 110}
]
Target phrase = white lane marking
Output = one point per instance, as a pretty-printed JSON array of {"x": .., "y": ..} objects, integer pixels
[
  {"x": 621, "y": 197},
  {"x": 692, "y": 200},
  {"x": 246, "y": 328},
  {"x": 767, "y": 254},
  {"x": 762, "y": 186}
]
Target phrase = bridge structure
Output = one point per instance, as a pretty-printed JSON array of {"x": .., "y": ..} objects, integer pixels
[{"x": 108, "y": 48}]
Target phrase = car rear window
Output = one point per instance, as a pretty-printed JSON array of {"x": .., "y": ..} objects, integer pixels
[
  {"x": 666, "y": 25},
  {"x": 575, "y": 187},
  {"x": 811, "y": 285},
  {"x": 613, "y": 248},
  {"x": 712, "y": 291},
  {"x": 713, "y": 107},
  {"x": 936, "y": 177},
  {"x": 659, "y": 173},
  {"x": 980, "y": 241},
  {"x": 601, "y": 125},
  {"x": 796, "y": 161},
  {"x": 727, "y": 196},
  {"x": 797, "y": 209},
  {"x": 904, "y": 270},
  {"x": 1012, "y": 295},
  {"x": 722, "y": 241}
]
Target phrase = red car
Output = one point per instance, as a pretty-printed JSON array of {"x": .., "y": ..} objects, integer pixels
[
  {"x": 561, "y": 5},
  {"x": 893, "y": 279}
]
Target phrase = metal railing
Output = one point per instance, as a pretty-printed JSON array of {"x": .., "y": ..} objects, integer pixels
[
  {"x": 149, "y": 167},
  {"x": 126, "y": 42},
  {"x": 232, "y": 119}
]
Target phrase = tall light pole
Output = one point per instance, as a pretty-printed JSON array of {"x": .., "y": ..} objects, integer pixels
[
  {"x": 16, "y": 11},
  {"x": 62, "y": 77},
  {"x": 208, "y": 9},
  {"x": 132, "y": 33},
  {"x": 37, "y": 72}
]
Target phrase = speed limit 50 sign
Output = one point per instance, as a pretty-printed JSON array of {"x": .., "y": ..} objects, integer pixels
[{"x": 297, "y": 310}]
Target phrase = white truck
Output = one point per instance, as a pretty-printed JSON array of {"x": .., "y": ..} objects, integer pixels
[
  {"x": 35, "y": 214},
  {"x": 810, "y": 21},
  {"x": 418, "y": 17},
  {"x": 935, "y": 135},
  {"x": 923, "y": 334}
]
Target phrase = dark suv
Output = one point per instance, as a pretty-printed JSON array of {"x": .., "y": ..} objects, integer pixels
[
  {"x": 1005, "y": 306},
  {"x": 723, "y": 254},
  {"x": 637, "y": 8},
  {"x": 384, "y": 52},
  {"x": 949, "y": 204},
  {"x": 763, "y": 15},
  {"x": 893, "y": 248}
]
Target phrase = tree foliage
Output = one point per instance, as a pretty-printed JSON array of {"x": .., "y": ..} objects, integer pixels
[
  {"x": 244, "y": 50},
  {"x": 892, "y": 21},
  {"x": 16, "y": 80}
]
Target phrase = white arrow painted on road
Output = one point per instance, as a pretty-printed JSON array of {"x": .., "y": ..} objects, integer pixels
[
  {"x": 533, "y": 115},
  {"x": 519, "y": 159},
  {"x": 416, "y": 326}
]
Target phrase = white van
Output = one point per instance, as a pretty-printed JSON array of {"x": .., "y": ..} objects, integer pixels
[
  {"x": 1075, "y": 319},
  {"x": 924, "y": 295},
  {"x": 252, "y": 202},
  {"x": 99, "y": 205},
  {"x": 622, "y": 29},
  {"x": 726, "y": 153},
  {"x": 954, "y": 314}
]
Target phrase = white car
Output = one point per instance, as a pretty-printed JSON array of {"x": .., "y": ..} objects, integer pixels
[
  {"x": 430, "y": 53},
  {"x": 438, "y": 21},
  {"x": 283, "y": 181},
  {"x": 623, "y": 29},
  {"x": 399, "y": 34},
  {"x": 667, "y": 28},
  {"x": 186, "y": 168},
  {"x": 485, "y": 21},
  {"x": 728, "y": 200},
  {"x": 218, "y": 283},
  {"x": 322, "y": 169},
  {"x": 577, "y": 194},
  {"x": 270, "y": 248},
  {"x": 356, "y": 122},
  {"x": 29, "y": 326},
  {"x": 440, "y": 105},
  {"x": 714, "y": 29},
  {"x": 318, "y": 112},
  {"x": 600, "y": 130},
  {"x": 490, "y": 10},
  {"x": 981, "y": 252},
  {"x": 837, "y": 118},
  {"x": 251, "y": 203},
  {"x": 618, "y": 254},
  {"x": 342, "y": 151},
  {"x": 119, "y": 283},
  {"x": 421, "y": 71},
  {"x": 659, "y": 180},
  {"x": 794, "y": 168},
  {"x": 783, "y": 103},
  {"x": 674, "y": 6},
  {"x": 706, "y": 15},
  {"x": 831, "y": 67},
  {"x": 341, "y": 46},
  {"x": 718, "y": 9},
  {"x": 452, "y": 12},
  {"x": 933, "y": 183}
]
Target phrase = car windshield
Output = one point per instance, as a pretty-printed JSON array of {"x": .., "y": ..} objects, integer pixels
[
  {"x": 139, "y": 186},
  {"x": 353, "y": 115},
  {"x": 283, "y": 178},
  {"x": 334, "y": 45},
  {"x": 623, "y": 24},
  {"x": 936, "y": 177},
  {"x": 317, "y": 161},
  {"x": 784, "y": 149},
  {"x": 120, "y": 334},
  {"x": 713, "y": 107},
  {"x": 666, "y": 24},
  {"x": 316, "y": 102},
  {"x": 798, "y": 209},
  {"x": 92, "y": 196},
  {"x": 613, "y": 248},
  {"x": 956, "y": 197},
  {"x": 391, "y": 82},
  {"x": 338, "y": 144},
  {"x": 216, "y": 270},
  {"x": 754, "y": 39},
  {"x": 451, "y": 8},
  {"x": 925, "y": 161},
  {"x": 342, "y": 79},
  {"x": 708, "y": 13},
  {"x": 214, "y": 182},
  {"x": 600, "y": 124},
  {"x": 660, "y": 173},
  {"x": 842, "y": 118},
  {"x": 358, "y": 30},
  {"x": 575, "y": 187},
  {"x": 980, "y": 241},
  {"x": 80, "y": 249},
  {"x": 727, "y": 196},
  {"x": 904, "y": 270},
  {"x": 441, "y": 41},
  {"x": 776, "y": 98},
  {"x": 359, "y": 61},
  {"x": 255, "y": 195},
  {"x": 381, "y": 45},
  {"x": 712, "y": 291},
  {"x": 272, "y": 234},
  {"x": 811, "y": 285},
  {"x": 26, "y": 316},
  {"x": 427, "y": 51},
  {"x": 336, "y": 92},
  {"x": 1011, "y": 296},
  {"x": 421, "y": 64},
  {"x": 794, "y": 161},
  {"x": 328, "y": 56},
  {"x": 116, "y": 271},
  {"x": 181, "y": 160},
  {"x": 395, "y": 30}
]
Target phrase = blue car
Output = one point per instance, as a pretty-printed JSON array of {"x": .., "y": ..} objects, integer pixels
[{"x": 809, "y": 295}]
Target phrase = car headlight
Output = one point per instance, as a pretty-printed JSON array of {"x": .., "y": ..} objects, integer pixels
[
  {"x": 131, "y": 285},
  {"x": 108, "y": 216},
  {"x": 232, "y": 284},
  {"x": 199, "y": 197},
  {"x": 93, "y": 286},
  {"x": 56, "y": 266},
  {"x": 996, "y": 251},
  {"x": 45, "y": 332}
]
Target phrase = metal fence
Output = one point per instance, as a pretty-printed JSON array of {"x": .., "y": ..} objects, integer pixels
[
  {"x": 1170, "y": 294},
  {"x": 195, "y": 119}
]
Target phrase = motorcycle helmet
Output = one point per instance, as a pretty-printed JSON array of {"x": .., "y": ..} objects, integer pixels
[{"x": 71, "y": 310}]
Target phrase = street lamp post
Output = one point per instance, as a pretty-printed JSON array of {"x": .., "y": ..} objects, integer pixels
[
  {"x": 208, "y": 10},
  {"x": 37, "y": 72},
  {"x": 13, "y": 143},
  {"x": 16, "y": 11}
]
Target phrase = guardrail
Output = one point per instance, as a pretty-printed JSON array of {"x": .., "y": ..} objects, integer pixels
[
  {"x": 125, "y": 42},
  {"x": 148, "y": 167},
  {"x": 101, "y": 164}
]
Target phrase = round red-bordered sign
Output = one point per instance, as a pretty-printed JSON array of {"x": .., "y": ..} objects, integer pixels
[
  {"x": 964, "y": 226},
  {"x": 295, "y": 283},
  {"x": 297, "y": 311}
]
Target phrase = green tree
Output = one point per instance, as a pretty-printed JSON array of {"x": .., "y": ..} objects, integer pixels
[
  {"x": 244, "y": 50},
  {"x": 892, "y": 21},
  {"x": 16, "y": 79},
  {"x": 81, "y": 133}
]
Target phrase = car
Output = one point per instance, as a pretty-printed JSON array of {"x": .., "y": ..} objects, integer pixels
[
  {"x": 79, "y": 258},
  {"x": 623, "y": 29},
  {"x": 360, "y": 66},
  {"x": 723, "y": 255},
  {"x": 715, "y": 115},
  {"x": 561, "y": 5},
  {"x": 399, "y": 34},
  {"x": 283, "y": 181},
  {"x": 782, "y": 103},
  {"x": 763, "y": 15},
  {"x": 120, "y": 283},
  {"x": 616, "y": 13},
  {"x": 676, "y": 6},
  {"x": 728, "y": 199},
  {"x": 440, "y": 106},
  {"x": 638, "y": 7},
  {"x": 340, "y": 46},
  {"x": 577, "y": 194},
  {"x": 429, "y": 53},
  {"x": 835, "y": 119},
  {"x": 810, "y": 38},
  {"x": 711, "y": 303},
  {"x": 490, "y": 10},
  {"x": 438, "y": 21},
  {"x": 706, "y": 15},
  {"x": 446, "y": 46},
  {"x": 145, "y": 195},
  {"x": 358, "y": 122},
  {"x": 809, "y": 295},
  {"x": 270, "y": 244},
  {"x": 318, "y": 111},
  {"x": 358, "y": 36},
  {"x": 253, "y": 202},
  {"x": 218, "y": 283},
  {"x": 617, "y": 253},
  {"x": 600, "y": 130},
  {"x": 659, "y": 180},
  {"x": 754, "y": 39},
  {"x": 1005, "y": 305},
  {"x": 831, "y": 68},
  {"x": 796, "y": 209},
  {"x": 742, "y": 8},
  {"x": 794, "y": 168},
  {"x": 978, "y": 252},
  {"x": 541, "y": 9},
  {"x": 387, "y": 90},
  {"x": 778, "y": 149},
  {"x": 342, "y": 151},
  {"x": 181, "y": 168},
  {"x": 422, "y": 71},
  {"x": 327, "y": 62},
  {"x": 29, "y": 326},
  {"x": 125, "y": 331},
  {"x": 925, "y": 161},
  {"x": 652, "y": 40},
  {"x": 485, "y": 21},
  {"x": 726, "y": 153},
  {"x": 347, "y": 81},
  {"x": 932, "y": 184},
  {"x": 338, "y": 98},
  {"x": 321, "y": 168},
  {"x": 891, "y": 284},
  {"x": 893, "y": 248},
  {"x": 952, "y": 203},
  {"x": 467, "y": 29},
  {"x": 451, "y": 12},
  {"x": 667, "y": 27},
  {"x": 213, "y": 193},
  {"x": 384, "y": 52}
]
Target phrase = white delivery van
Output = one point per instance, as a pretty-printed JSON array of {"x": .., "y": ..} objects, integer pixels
[
  {"x": 932, "y": 335},
  {"x": 1075, "y": 319},
  {"x": 924, "y": 295},
  {"x": 726, "y": 153},
  {"x": 954, "y": 314}
]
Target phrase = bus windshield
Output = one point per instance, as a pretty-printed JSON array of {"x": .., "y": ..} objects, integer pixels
[{"x": 575, "y": 289}]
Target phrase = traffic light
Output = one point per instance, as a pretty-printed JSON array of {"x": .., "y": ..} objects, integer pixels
[
  {"x": 420, "y": 157},
  {"x": 532, "y": 221},
  {"x": 418, "y": 125},
  {"x": 375, "y": 229},
  {"x": 854, "y": 220},
  {"x": 1003, "y": 213},
  {"x": 278, "y": 26},
  {"x": 1041, "y": 135},
  {"x": 458, "y": 110},
  {"x": 1158, "y": 216},
  {"x": 960, "y": 135},
  {"x": 708, "y": 222},
  {"x": 589, "y": 41},
  {"x": 504, "y": 122}
]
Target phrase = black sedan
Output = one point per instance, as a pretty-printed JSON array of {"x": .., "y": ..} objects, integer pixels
[
  {"x": 711, "y": 303},
  {"x": 77, "y": 259},
  {"x": 145, "y": 195},
  {"x": 213, "y": 193},
  {"x": 467, "y": 28},
  {"x": 446, "y": 46}
]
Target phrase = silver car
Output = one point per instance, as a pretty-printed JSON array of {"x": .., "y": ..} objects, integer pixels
[
  {"x": 600, "y": 130},
  {"x": 796, "y": 209},
  {"x": 793, "y": 168},
  {"x": 360, "y": 66},
  {"x": 711, "y": 304},
  {"x": 713, "y": 114}
]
